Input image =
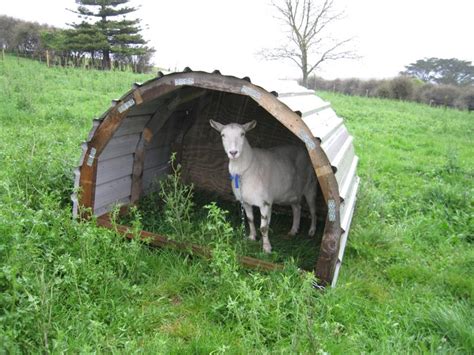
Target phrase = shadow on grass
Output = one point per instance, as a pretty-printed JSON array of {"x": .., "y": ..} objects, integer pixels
[{"x": 302, "y": 249}]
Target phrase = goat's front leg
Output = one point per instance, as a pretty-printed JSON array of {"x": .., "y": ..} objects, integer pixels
[
  {"x": 249, "y": 213},
  {"x": 265, "y": 216}
]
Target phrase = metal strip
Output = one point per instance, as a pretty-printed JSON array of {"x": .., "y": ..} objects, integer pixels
[
  {"x": 91, "y": 157},
  {"x": 126, "y": 105},
  {"x": 247, "y": 90},
  {"x": 183, "y": 81}
]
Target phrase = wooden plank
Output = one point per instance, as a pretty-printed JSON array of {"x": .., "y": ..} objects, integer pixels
[
  {"x": 112, "y": 191},
  {"x": 87, "y": 180},
  {"x": 123, "y": 202},
  {"x": 119, "y": 146},
  {"x": 132, "y": 125},
  {"x": 115, "y": 168},
  {"x": 157, "y": 240},
  {"x": 157, "y": 172},
  {"x": 157, "y": 156}
]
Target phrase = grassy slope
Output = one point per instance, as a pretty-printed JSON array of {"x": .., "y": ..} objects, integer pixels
[{"x": 406, "y": 282}]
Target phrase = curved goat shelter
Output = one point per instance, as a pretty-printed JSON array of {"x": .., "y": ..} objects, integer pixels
[{"x": 130, "y": 146}]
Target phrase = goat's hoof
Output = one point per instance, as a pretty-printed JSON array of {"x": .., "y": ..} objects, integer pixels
[
  {"x": 292, "y": 233},
  {"x": 267, "y": 248},
  {"x": 311, "y": 232},
  {"x": 252, "y": 237}
]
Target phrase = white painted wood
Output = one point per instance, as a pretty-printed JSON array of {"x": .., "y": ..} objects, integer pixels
[
  {"x": 131, "y": 125},
  {"x": 100, "y": 210},
  {"x": 148, "y": 108},
  {"x": 112, "y": 191},
  {"x": 115, "y": 168},
  {"x": 119, "y": 146}
]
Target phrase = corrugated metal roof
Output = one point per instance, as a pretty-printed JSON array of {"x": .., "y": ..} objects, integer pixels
[{"x": 317, "y": 114}]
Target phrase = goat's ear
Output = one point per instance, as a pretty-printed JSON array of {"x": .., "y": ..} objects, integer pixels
[
  {"x": 249, "y": 125},
  {"x": 216, "y": 125}
]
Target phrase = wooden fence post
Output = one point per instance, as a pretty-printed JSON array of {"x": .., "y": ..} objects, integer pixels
[{"x": 47, "y": 58}]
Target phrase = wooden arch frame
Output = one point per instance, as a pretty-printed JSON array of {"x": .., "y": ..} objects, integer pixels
[{"x": 326, "y": 263}]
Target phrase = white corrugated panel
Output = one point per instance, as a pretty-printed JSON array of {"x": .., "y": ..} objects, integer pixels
[{"x": 336, "y": 142}]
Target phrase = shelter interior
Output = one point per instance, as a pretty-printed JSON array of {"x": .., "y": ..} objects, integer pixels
[{"x": 179, "y": 122}]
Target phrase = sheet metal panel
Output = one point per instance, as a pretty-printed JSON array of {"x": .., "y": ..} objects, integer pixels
[
  {"x": 347, "y": 180},
  {"x": 334, "y": 142},
  {"x": 343, "y": 159},
  {"x": 345, "y": 223},
  {"x": 323, "y": 123},
  {"x": 337, "y": 143},
  {"x": 306, "y": 104}
]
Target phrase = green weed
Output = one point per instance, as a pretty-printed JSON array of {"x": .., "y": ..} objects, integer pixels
[{"x": 405, "y": 286}]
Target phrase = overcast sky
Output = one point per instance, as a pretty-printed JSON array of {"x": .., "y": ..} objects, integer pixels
[{"x": 227, "y": 34}]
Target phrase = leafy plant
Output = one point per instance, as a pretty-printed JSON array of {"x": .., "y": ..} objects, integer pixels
[{"x": 178, "y": 203}]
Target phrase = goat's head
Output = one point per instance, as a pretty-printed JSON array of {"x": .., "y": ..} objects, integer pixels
[{"x": 233, "y": 136}]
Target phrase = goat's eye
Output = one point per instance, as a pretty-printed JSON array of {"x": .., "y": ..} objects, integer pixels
[
  {"x": 242, "y": 134},
  {"x": 222, "y": 135}
]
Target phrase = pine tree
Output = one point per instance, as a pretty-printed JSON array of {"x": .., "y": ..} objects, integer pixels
[{"x": 101, "y": 31}]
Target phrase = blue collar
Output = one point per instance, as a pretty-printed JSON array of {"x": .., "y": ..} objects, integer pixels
[{"x": 235, "y": 178}]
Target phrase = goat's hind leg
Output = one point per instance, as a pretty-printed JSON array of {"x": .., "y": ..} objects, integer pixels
[
  {"x": 296, "y": 208},
  {"x": 265, "y": 216},
  {"x": 310, "y": 197},
  {"x": 249, "y": 213}
]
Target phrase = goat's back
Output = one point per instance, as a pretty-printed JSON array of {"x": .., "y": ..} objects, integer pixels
[{"x": 286, "y": 171}]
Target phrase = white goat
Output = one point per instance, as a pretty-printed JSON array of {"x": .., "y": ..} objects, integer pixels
[{"x": 261, "y": 177}]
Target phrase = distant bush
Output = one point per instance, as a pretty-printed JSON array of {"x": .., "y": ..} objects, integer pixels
[
  {"x": 466, "y": 101},
  {"x": 400, "y": 88},
  {"x": 441, "y": 95},
  {"x": 383, "y": 90}
]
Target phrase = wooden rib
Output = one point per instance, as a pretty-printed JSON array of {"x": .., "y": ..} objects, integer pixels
[{"x": 195, "y": 249}]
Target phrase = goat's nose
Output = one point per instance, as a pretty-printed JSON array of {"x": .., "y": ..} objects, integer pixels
[{"x": 233, "y": 152}]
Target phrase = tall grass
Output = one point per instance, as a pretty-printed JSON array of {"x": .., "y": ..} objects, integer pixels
[{"x": 406, "y": 284}]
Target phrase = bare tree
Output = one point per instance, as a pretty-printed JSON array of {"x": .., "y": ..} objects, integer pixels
[{"x": 309, "y": 45}]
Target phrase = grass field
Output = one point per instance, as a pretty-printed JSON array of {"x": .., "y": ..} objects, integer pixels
[{"x": 406, "y": 284}]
